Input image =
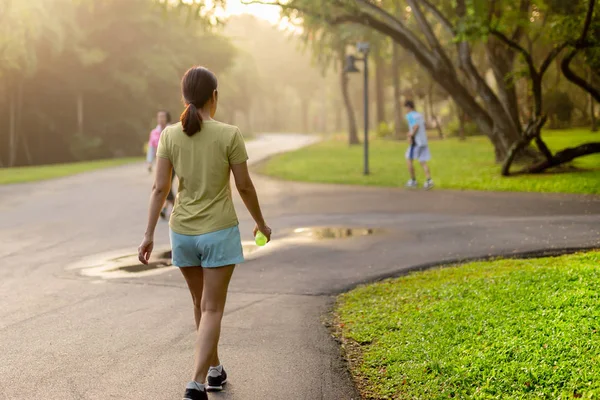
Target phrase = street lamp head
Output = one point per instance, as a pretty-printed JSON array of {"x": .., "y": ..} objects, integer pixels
[
  {"x": 363, "y": 47},
  {"x": 350, "y": 66}
]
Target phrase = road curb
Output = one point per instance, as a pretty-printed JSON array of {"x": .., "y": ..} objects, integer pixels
[{"x": 554, "y": 252}]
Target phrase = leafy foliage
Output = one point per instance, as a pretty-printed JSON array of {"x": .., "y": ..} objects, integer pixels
[{"x": 121, "y": 60}]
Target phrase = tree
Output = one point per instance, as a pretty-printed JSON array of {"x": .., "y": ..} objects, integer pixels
[
  {"x": 329, "y": 47},
  {"x": 431, "y": 51},
  {"x": 396, "y": 55},
  {"x": 443, "y": 35},
  {"x": 84, "y": 79},
  {"x": 536, "y": 75},
  {"x": 352, "y": 128},
  {"x": 22, "y": 26}
]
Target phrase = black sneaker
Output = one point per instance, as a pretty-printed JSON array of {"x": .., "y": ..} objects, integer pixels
[
  {"x": 195, "y": 394},
  {"x": 215, "y": 379}
]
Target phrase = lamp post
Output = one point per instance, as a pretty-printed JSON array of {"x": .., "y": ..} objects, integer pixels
[{"x": 363, "y": 48}]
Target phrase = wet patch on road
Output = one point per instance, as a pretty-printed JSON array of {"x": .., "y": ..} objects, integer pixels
[
  {"x": 114, "y": 265},
  {"x": 125, "y": 265},
  {"x": 118, "y": 266},
  {"x": 323, "y": 233}
]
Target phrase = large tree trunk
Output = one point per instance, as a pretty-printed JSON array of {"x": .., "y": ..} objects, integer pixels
[
  {"x": 502, "y": 61},
  {"x": 593, "y": 115},
  {"x": 592, "y": 105},
  {"x": 379, "y": 86},
  {"x": 461, "y": 125},
  {"x": 397, "y": 91},
  {"x": 398, "y": 109},
  {"x": 352, "y": 129},
  {"x": 80, "y": 113},
  {"x": 503, "y": 132},
  {"x": 431, "y": 110},
  {"x": 426, "y": 114},
  {"x": 13, "y": 141},
  {"x": 305, "y": 116},
  {"x": 19, "y": 129},
  {"x": 339, "y": 126}
]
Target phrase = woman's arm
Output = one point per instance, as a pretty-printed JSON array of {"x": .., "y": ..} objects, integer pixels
[
  {"x": 160, "y": 190},
  {"x": 245, "y": 187}
]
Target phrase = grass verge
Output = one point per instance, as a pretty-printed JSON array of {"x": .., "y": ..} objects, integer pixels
[
  {"x": 43, "y": 172},
  {"x": 505, "y": 329},
  {"x": 455, "y": 165}
]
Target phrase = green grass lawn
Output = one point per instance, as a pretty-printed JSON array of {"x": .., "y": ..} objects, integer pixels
[
  {"x": 506, "y": 329},
  {"x": 38, "y": 173},
  {"x": 455, "y": 165}
]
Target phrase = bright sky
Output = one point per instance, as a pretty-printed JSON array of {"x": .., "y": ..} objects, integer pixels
[{"x": 270, "y": 13}]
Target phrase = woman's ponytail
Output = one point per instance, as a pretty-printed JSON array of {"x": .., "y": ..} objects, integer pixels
[
  {"x": 191, "y": 120},
  {"x": 198, "y": 87}
]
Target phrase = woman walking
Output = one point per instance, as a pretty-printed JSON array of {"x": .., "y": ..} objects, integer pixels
[
  {"x": 205, "y": 238},
  {"x": 163, "y": 118}
]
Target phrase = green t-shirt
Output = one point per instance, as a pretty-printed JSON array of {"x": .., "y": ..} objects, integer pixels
[{"x": 202, "y": 164}]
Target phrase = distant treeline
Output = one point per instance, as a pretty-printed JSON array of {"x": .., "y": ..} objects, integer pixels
[{"x": 83, "y": 80}]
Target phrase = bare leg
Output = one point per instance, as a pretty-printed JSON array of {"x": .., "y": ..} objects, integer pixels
[
  {"x": 411, "y": 169},
  {"x": 213, "y": 296},
  {"x": 426, "y": 169},
  {"x": 195, "y": 280}
]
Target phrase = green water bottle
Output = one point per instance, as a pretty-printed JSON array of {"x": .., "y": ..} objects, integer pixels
[{"x": 260, "y": 239}]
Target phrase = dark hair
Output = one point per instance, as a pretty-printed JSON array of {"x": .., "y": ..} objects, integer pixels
[
  {"x": 197, "y": 86},
  {"x": 410, "y": 104},
  {"x": 167, "y": 115}
]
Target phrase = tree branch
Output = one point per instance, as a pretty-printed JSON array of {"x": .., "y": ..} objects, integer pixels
[
  {"x": 562, "y": 157},
  {"x": 581, "y": 44},
  {"x": 587, "y": 22},
  {"x": 429, "y": 34},
  {"x": 516, "y": 46},
  {"x": 565, "y": 67},
  {"x": 423, "y": 25},
  {"x": 551, "y": 56},
  {"x": 283, "y": 6},
  {"x": 531, "y": 132},
  {"x": 438, "y": 14},
  {"x": 486, "y": 93},
  {"x": 410, "y": 42}
]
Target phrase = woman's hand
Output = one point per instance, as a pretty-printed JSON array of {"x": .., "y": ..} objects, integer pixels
[
  {"x": 265, "y": 231},
  {"x": 145, "y": 250}
]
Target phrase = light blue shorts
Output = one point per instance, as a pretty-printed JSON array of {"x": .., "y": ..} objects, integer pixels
[
  {"x": 150, "y": 154},
  {"x": 210, "y": 250},
  {"x": 420, "y": 153}
]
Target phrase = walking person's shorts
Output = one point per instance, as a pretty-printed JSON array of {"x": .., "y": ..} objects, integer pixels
[
  {"x": 420, "y": 153},
  {"x": 210, "y": 250},
  {"x": 151, "y": 154}
]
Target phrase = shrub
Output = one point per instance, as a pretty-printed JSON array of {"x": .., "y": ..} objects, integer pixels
[
  {"x": 385, "y": 130},
  {"x": 453, "y": 128},
  {"x": 84, "y": 147}
]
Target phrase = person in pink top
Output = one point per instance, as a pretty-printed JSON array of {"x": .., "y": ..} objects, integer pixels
[{"x": 163, "y": 118}]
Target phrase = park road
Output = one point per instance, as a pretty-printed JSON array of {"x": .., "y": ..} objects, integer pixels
[{"x": 64, "y": 336}]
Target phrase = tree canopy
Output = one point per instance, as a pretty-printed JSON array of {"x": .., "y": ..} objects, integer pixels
[
  {"x": 84, "y": 79},
  {"x": 518, "y": 40}
]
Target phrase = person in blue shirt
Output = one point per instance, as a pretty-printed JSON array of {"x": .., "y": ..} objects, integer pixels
[{"x": 418, "y": 148}]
